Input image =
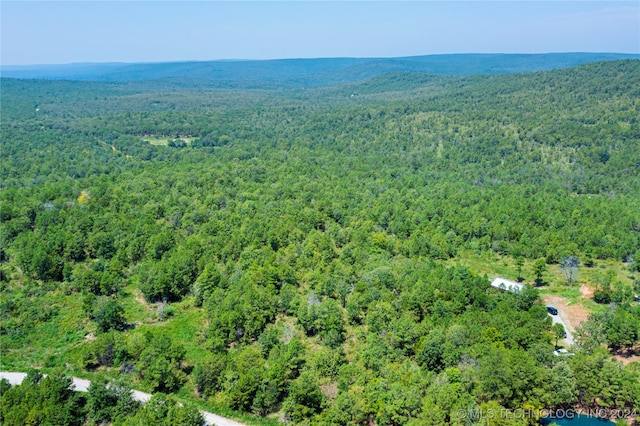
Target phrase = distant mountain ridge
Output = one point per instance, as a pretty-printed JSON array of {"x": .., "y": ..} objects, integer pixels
[{"x": 308, "y": 72}]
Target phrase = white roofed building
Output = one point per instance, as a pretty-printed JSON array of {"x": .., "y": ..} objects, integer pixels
[{"x": 508, "y": 285}]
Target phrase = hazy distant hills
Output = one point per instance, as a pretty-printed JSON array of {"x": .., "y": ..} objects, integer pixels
[{"x": 308, "y": 72}]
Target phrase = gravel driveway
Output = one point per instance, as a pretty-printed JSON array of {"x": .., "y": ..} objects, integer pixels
[{"x": 561, "y": 319}]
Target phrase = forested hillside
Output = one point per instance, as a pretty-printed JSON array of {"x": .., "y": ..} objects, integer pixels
[
  {"x": 286, "y": 252},
  {"x": 314, "y": 72}
]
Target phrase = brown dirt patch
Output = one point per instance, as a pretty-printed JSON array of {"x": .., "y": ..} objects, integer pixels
[
  {"x": 140, "y": 298},
  {"x": 629, "y": 355},
  {"x": 627, "y": 359},
  {"x": 330, "y": 390},
  {"x": 587, "y": 292},
  {"x": 574, "y": 313}
]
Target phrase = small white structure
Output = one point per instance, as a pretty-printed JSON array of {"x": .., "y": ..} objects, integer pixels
[{"x": 508, "y": 285}]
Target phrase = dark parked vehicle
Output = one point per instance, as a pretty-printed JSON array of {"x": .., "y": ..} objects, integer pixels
[{"x": 552, "y": 310}]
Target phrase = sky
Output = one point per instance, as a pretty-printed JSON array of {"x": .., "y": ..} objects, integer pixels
[{"x": 56, "y": 32}]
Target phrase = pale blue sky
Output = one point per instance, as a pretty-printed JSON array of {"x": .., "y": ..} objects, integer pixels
[{"x": 45, "y": 32}]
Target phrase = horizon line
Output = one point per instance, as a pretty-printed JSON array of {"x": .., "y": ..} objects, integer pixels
[{"x": 178, "y": 61}]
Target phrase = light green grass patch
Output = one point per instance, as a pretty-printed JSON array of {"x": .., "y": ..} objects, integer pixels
[
  {"x": 49, "y": 343},
  {"x": 137, "y": 310},
  {"x": 495, "y": 265},
  {"x": 184, "y": 326},
  {"x": 157, "y": 141},
  {"x": 570, "y": 293},
  {"x": 164, "y": 140}
]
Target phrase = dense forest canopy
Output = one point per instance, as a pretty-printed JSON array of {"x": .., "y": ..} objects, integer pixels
[{"x": 301, "y": 236}]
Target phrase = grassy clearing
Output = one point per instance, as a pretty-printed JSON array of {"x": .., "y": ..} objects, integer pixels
[
  {"x": 184, "y": 327},
  {"x": 137, "y": 310},
  {"x": 164, "y": 140},
  {"x": 494, "y": 265},
  {"x": 45, "y": 343},
  {"x": 158, "y": 141},
  {"x": 182, "y": 322}
]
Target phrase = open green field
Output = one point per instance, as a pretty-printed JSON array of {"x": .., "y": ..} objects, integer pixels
[{"x": 164, "y": 140}]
